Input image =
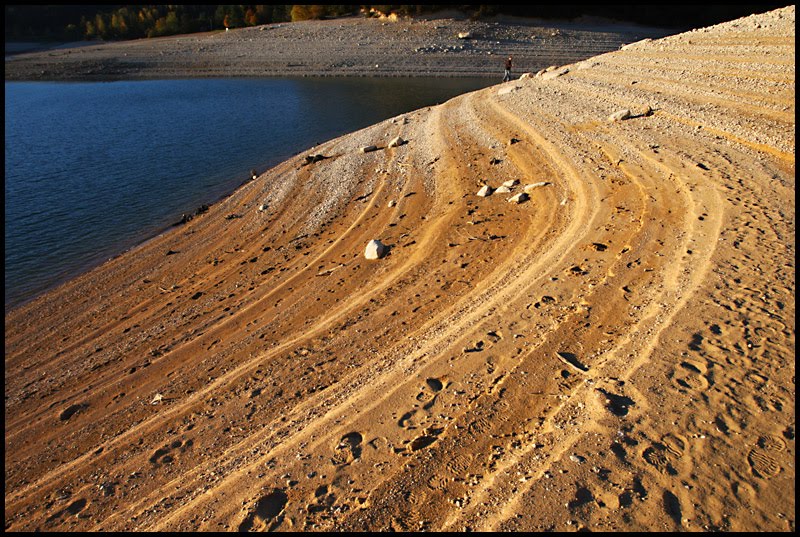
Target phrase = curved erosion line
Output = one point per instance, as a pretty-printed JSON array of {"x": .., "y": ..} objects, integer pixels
[
  {"x": 645, "y": 325},
  {"x": 552, "y": 455},
  {"x": 445, "y": 328},
  {"x": 429, "y": 237}
]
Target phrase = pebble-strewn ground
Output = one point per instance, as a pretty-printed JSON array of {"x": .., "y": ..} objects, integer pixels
[{"x": 615, "y": 353}]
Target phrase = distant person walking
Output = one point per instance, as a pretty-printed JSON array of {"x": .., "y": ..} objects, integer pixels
[{"x": 507, "y": 75}]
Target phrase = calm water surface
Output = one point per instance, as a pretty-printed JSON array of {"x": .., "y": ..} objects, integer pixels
[{"x": 92, "y": 169}]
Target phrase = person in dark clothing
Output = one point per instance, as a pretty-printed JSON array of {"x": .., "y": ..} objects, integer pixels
[{"x": 507, "y": 75}]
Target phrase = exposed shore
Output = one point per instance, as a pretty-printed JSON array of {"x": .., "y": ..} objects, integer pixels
[
  {"x": 352, "y": 46},
  {"x": 615, "y": 353}
]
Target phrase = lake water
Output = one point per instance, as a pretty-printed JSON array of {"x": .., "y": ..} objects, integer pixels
[{"x": 93, "y": 169}]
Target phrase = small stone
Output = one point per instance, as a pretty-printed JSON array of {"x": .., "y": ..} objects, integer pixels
[
  {"x": 518, "y": 198},
  {"x": 396, "y": 142},
  {"x": 369, "y": 148},
  {"x": 533, "y": 186},
  {"x": 511, "y": 183},
  {"x": 620, "y": 115},
  {"x": 391, "y": 203},
  {"x": 503, "y": 189},
  {"x": 485, "y": 191}
]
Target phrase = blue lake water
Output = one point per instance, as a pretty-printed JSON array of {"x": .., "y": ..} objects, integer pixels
[{"x": 93, "y": 169}]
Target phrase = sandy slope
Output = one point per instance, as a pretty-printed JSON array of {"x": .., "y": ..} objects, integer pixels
[{"x": 616, "y": 353}]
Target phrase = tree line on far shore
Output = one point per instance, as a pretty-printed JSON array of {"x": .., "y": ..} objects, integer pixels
[{"x": 110, "y": 22}]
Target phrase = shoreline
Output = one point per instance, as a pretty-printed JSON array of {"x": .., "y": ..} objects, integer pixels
[{"x": 127, "y": 245}]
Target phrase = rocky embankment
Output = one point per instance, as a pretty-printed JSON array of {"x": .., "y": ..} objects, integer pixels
[{"x": 614, "y": 351}]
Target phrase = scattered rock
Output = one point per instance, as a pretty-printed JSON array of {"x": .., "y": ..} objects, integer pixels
[
  {"x": 511, "y": 183},
  {"x": 503, "y": 189},
  {"x": 391, "y": 203},
  {"x": 494, "y": 161},
  {"x": 369, "y": 148},
  {"x": 465, "y": 35},
  {"x": 375, "y": 249},
  {"x": 396, "y": 142},
  {"x": 552, "y": 72},
  {"x": 310, "y": 159},
  {"x": 518, "y": 198},
  {"x": 620, "y": 115},
  {"x": 263, "y": 207},
  {"x": 485, "y": 191},
  {"x": 533, "y": 186},
  {"x": 514, "y": 141}
]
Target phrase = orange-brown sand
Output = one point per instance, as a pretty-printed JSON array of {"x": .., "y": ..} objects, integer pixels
[{"x": 617, "y": 352}]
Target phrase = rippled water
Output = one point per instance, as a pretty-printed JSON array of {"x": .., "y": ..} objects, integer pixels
[{"x": 94, "y": 168}]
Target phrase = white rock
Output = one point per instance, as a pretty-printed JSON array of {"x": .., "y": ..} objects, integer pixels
[
  {"x": 532, "y": 186},
  {"x": 375, "y": 249},
  {"x": 511, "y": 183},
  {"x": 518, "y": 198},
  {"x": 263, "y": 207},
  {"x": 391, "y": 203},
  {"x": 485, "y": 190},
  {"x": 503, "y": 189},
  {"x": 620, "y": 115},
  {"x": 395, "y": 142}
]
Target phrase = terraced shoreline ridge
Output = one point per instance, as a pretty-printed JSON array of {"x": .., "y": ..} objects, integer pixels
[{"x": 613, "y": 352}]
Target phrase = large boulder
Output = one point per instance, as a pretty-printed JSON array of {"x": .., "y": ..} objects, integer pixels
[{"x": 375, "y": 249}]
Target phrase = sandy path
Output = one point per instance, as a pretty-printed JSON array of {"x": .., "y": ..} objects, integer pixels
[{"x": 616, "y": 353}]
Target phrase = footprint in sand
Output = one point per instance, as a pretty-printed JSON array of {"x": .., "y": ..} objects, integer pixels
[
  {"x": 691, "y": 375},
  {"x": 659, "y": 456},
  {"x": 267, "y": 513},
  {"x": 71, "y": 410},
  {"x": 72, "y": 509},
  {"x": 762, "y": 457},
  {"x": 348, "y": 449},
  {"x": 166, "y": 455}
]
